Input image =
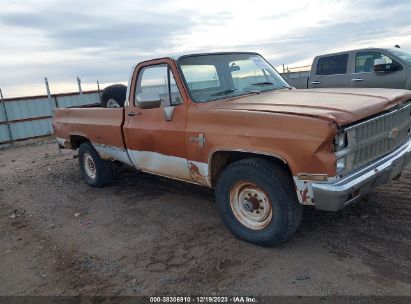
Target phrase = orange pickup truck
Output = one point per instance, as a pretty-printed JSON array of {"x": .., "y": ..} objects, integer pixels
[{"x": 230, "y": 122}]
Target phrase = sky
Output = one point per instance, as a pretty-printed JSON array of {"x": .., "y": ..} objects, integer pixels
[{"x": 102, "y": 40}]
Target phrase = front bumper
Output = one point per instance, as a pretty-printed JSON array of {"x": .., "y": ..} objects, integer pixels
[{"x": 333, "y": 196}]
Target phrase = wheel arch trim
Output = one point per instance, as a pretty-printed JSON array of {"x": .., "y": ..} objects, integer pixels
[{"x": 256, "y": 153}]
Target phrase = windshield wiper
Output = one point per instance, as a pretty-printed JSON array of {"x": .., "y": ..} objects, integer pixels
[
  {"x": 253, "y": 91},
  {"x": 262, "y": 83},
  {"x": 225, "y": 92},
  {"x": 274, "y": 89}
]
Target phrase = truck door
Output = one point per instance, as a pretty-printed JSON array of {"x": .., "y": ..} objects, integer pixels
[
  {"x": 155, "y": 135},
  {"x": 330, "y": 72},
  {"x": 364, "y": 76}
]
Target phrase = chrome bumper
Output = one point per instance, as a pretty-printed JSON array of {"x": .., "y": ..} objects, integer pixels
[{"x": 333, "y": 196}]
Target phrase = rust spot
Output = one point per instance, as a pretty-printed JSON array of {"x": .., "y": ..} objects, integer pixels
[
  {"x": 196, "y": 173},
  {"x": 304, "y": 196},
  {"x": 194, "y": 169},
  {"x": 254, "y": 201},
  {"x": 67, "y": 145}
]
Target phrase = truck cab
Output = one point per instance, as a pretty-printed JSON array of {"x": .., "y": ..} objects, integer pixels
[{"x": 362, "y": 68}]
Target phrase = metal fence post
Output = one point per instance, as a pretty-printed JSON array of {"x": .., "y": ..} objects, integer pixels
[
  {"x": 51, "y": 103},
  {"x": 6, "y": 117},
  {"x": 56, "y": 103},
  {"x": 49, "y": 95},
  {"x": 80, "y": 90},
  {"x": 98, "y": 89}
]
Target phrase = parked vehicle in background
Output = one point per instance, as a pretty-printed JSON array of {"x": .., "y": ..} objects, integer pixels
[
  {"x": 363, "y": 68},
  {"x": 228, "y": 121}
]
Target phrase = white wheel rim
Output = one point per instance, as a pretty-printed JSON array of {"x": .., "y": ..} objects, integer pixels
[
  {"x": 89, "y": 166},
  {"x": 251, "y": 205},
  {"x": 112, "y": 103}
]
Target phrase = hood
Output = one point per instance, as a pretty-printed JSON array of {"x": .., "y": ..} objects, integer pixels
[{"x": 339, "y": 105}]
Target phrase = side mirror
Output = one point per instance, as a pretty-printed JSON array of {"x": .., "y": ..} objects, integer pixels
[
  {"x": 381, "y": 66},
  {"x": 149, "y": 104},
  {"x": 234, "y": 67}
]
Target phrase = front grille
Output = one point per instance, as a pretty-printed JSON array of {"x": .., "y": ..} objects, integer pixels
[{"x": 377, "y": 136}]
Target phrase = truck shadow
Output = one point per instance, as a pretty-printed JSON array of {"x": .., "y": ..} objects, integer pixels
[
  {"x": 371, "y": 230},
  {"x": 383, "y": 208}
]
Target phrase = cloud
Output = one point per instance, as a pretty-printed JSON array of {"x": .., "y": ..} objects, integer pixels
[
  {"x": 73, "y": 31},
  {"x": 103, "y": 39}
]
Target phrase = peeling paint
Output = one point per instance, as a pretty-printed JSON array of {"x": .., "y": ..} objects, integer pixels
[
  {"x": 63, "y": 143},
  {"x": 193, "y": 169},
  {"x": 112, "y": 153},
  {"x": 170, "y": 166},
  {"x": 304, "y": 191},
  {"x": 198, "y": 172},
  {"x": 304, "y": 195}
]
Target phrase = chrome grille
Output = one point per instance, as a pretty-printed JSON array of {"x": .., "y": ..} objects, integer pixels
[{"x": 378, "y": 136}]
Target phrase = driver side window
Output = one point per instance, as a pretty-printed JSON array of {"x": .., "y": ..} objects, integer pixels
[
  {"x": 157, "y": 83},
  {"x": 364, "y": 61}
]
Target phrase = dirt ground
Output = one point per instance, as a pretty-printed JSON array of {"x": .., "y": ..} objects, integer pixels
[{"x": 147, "y": 235}]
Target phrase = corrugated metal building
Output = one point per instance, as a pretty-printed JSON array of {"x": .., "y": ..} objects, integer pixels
[{"x": 28, "y": 117}]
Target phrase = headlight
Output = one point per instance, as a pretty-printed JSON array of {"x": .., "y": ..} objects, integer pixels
[
  {"x": 340, "y": 141},
  {"x": 340, "y": 165}
]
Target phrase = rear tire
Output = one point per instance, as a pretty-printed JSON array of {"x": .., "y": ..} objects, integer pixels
[
  {"x": 257, "y": 202},
  {"x": 114, "y": 96},
  {"x": 96, "y": 171}
]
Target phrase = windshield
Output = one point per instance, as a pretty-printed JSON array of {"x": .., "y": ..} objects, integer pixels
[
  {"x": 404, "y": 55},
  {"x": 212, "y": 77}
]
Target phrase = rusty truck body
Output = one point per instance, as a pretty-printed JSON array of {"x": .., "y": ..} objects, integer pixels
[{"x": 230, "y": 122}]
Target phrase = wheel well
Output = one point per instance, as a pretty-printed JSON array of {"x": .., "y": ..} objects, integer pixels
[
  {"x": 77, "y": 140},
  {"x": 221, "y": 159}
]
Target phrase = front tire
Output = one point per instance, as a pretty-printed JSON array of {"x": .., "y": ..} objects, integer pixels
[
  {"x": 96, "y": 171},
  {"x": 256, "y": 201}
]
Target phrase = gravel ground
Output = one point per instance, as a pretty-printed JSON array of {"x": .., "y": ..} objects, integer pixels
[{"x": 147, "y": 235}]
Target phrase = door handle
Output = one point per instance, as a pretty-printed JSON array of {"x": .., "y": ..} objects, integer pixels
[
  {"x": 315, "y": 82},
  {"x": 356, "y": 79},
  {"x": 133, "y": 113}
]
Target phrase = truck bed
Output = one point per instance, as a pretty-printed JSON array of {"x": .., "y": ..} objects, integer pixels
[
  {"x": 298, "y": 80},
  {"x": 99, "y": 125}
]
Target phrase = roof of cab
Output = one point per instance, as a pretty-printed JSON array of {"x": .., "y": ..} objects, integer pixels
[
  {"x": 179, "y": 56},
  {"x": 354, "y": 50}
]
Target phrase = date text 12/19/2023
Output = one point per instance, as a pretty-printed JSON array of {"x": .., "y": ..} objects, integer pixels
[{"x": 203, "y": 299}]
